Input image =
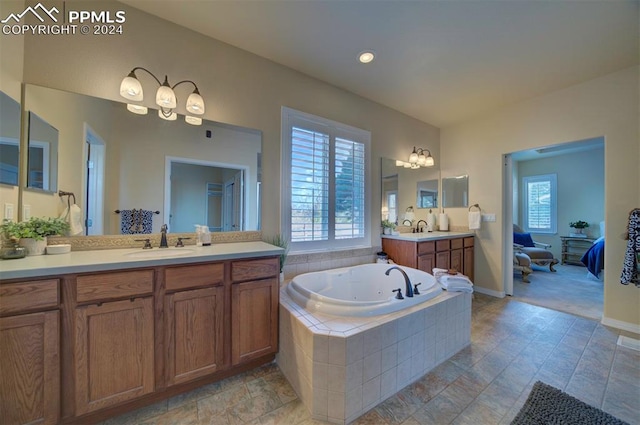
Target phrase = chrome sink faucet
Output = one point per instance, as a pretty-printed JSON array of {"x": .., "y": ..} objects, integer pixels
[
  {"x": 408, "y": 292},
  {"x": 163, "y": 236}
]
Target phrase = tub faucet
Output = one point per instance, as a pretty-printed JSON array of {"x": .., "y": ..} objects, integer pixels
[
  {"x": 408, "y": 292},
  {"x": 418, "y": 229},
  {"x": 163, "y": 236}
]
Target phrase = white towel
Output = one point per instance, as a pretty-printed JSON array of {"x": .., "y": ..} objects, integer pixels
[
  {"x": 453, "y": 283},
  {"x": 474, "y": 220},
  {"x": 73, "y": 216}
]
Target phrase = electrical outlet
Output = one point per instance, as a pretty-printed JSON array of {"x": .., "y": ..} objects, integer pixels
[
  {"x": 488, "y": 217},
  {"x": 26, "y": 212},
  {"x": 8, "y": 211}
]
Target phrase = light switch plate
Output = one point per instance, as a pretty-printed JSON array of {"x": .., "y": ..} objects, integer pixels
[
  {"x": 488, "y": 217},
  {"x": 8, "y": 211}
]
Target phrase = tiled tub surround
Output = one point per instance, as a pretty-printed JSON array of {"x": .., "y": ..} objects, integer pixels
[{"x": 342, "y": 367}]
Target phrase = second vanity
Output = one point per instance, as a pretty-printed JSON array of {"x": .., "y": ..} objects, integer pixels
[
  {"x": 89, "y": 335},
  {"x": 424, "y": 251}
]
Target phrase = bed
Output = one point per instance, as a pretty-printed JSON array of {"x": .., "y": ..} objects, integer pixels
[{"x": 594, "y": 257}]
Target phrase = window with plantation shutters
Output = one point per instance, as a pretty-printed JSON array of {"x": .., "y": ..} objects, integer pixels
[
  {"x": 540, "y": 203},
  {"x": 325, "y": 189}
]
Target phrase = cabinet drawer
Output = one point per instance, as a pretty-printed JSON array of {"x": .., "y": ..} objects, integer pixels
[
  {"x": 114, "y": 285},
  {"x": 456, "y": 243},
  {"x": 442, "y": 245},
  {"x": 468, "y": 242},
  {"x": 426, "y": 247},
  {"x": 255, "y": 269},
  {"x": 194, "y": 276},
  {"x": 28, "y": 296}
]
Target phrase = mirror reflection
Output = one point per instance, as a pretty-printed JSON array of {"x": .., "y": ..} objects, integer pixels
[
  {"x": 42, "y": 148},
  {"x": 9, "y": 140},
  {"x": 455, "y": 191},
  {"x": 405, "y": 187},
  {"x": 113, "y": 160}
]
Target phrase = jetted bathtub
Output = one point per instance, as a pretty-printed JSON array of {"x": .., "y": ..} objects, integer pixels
[{"x": 362, "y": 290}]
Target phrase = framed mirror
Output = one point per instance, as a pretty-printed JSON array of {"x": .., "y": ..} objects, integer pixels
[
  {"x": 9, "y": 140},
  {"x": 114, "y": 160},
  {"x": 455, "y": 191},
  {"x": 42, "y": 154}
]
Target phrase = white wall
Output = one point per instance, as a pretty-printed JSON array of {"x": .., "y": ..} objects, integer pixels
[
  {"x": 238, "y": 87},
  {"x": 580, "y": 185},
  {"x": 606, "y": 106}
]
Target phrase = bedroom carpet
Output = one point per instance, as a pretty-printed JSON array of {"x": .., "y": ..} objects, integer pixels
[{"x": 569, "y": 290}]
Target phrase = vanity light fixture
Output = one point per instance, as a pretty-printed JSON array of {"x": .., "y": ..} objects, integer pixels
[
  {"x": 131, "y": 89},
  {"x": 418, "y": 158}
]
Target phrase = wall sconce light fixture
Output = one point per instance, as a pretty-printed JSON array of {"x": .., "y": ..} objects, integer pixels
[
  {"x": 418, "y": 159},
  {"x": 131, "y": 89}
]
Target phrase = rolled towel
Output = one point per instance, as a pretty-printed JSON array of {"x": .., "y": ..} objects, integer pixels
[
  {"x": 453, "y": 283},
  {"x": 460, "y": 280},
  {"x": 474, "y": 220}
]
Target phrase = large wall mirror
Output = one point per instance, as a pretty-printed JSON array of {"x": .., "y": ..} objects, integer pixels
[
  {"x": 405, "y": 187},
  {"x": 113, "y": 160},
  {"x": 9, "y": 140},
  {"x": 455, "y": 191}
]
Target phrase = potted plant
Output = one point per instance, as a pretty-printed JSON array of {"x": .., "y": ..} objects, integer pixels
[
  {"x": 387, "y": 227},
  {"x": 282, "y": 242},
  {"x": 32, "y": 234},
  {"x": 579, "y": 225}
]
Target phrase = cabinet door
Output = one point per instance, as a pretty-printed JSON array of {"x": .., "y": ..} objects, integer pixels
[
  {"x": 426, "y": 262},
  {"x": 456, "y": 260},
  {"x": 30, "y": 368},
  {"x": 254, "y": 319},
  {"x": 194, "y": 333},
  {"x": 114, "y": 353},
  {"x": 443, "y": 259},
  {"x": 468, "y": 262}
]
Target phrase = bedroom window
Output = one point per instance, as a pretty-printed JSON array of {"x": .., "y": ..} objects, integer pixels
[
  {"x": 325, "y": 183},
  {"x": 540, "y": 203}
]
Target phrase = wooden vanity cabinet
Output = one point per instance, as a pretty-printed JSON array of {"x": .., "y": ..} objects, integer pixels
[
  {"x": 84, "y": 347},
  {"x": 194, "y": 331},
  {"x": 455, "y": 253},
  {"x": 30, "y": 352},
  {"x": 114, "y": 339},
  {"x": 254, "y": 309}
]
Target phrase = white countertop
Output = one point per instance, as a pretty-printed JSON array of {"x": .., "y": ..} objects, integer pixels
[
  {"x": 113, "y": 259},
  {"x": 428, "y": 236}
]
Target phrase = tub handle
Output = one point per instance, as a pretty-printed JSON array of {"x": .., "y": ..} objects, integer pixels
[
  {"x": 399, "y": 294},
  {"x": 415, "y": 288}
]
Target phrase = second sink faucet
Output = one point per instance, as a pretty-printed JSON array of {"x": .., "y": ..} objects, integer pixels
[
  {"x": 420, "y": 229},
  {"x": 408, "y": 292},
  {"x": 163, "y": 236}
]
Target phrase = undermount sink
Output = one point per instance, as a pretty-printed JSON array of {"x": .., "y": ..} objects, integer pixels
[{"x": 160, "y": 253}]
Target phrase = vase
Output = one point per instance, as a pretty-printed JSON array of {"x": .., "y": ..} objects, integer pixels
[
  {"x": 579, "y": 230},
  {"x": 33, "y": 246}
]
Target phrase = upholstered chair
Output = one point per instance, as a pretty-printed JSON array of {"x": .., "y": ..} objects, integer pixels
[
  {"x": 522, "y": 262},
  {"x": 538, "y": 252}
]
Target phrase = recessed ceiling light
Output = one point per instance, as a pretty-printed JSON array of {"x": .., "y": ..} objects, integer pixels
[{"x": 367, "y": 56}]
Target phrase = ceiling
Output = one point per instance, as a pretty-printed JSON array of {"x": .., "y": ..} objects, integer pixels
[{"x": 441, "y": 62}]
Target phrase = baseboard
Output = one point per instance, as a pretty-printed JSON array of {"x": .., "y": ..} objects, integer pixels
[
  {"x": 631, "y": 343},
  {"x": 481, "y": 290},
  {"x": 618, "y": 324}
]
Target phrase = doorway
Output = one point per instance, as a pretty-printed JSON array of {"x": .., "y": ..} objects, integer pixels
[
  {"x": 94, "y": 189},
  {"x": 578, "y": 169}
]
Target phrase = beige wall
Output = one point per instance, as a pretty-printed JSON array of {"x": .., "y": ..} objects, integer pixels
[
  {"x": 607, "y": 106},
  {"x": 580, "y": 188},
  {"x": 239, "y": 88}
]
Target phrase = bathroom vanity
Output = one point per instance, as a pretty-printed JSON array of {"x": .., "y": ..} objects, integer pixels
[
  {"x": 424, "y": 251},
  {"x": 89, "y": 335}
]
